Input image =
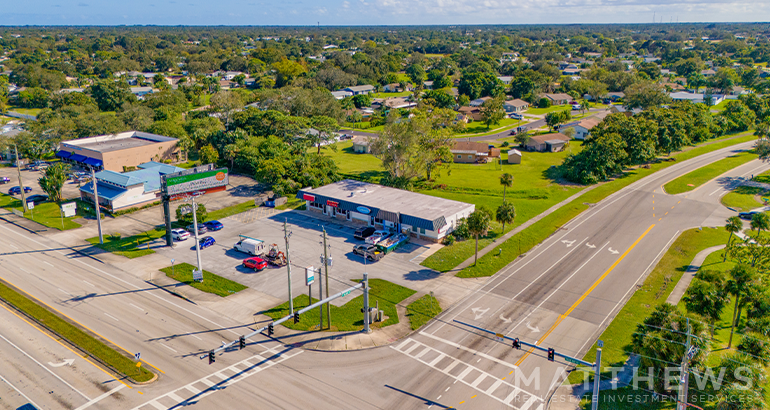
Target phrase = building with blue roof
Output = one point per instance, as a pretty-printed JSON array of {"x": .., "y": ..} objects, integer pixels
[
  {"x": 119, "y": 191},
  {"x": 119, "y": 152}
]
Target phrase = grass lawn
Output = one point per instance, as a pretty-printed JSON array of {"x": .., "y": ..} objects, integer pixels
[
  {"x": 211, "y": 283},
  {"x": 763, "y": 177},
  {"x": 478, "y": 127},
  {"x": 492, "y": 262},
  {"x": 422, "y": 310},
  {"x": 122, "y": 364},
  {"x": 28, "y": 111},
  {"x": 743, "y": 198},
  {"x": 700, "y": 176},
  {"x": 388, "y": 95},
  {"x": 721, "y": 106},
  {"x": 47, "y": 213},
  {"x": 656, "y": 288},
  {"x": 132, "y": 246},
  {"x": 553, "y": 108},
  {"x": 348, "y": 317},
  {"x": 359, "y": 166}
]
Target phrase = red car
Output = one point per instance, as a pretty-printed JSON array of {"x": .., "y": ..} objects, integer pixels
[{"x": 255, "y": 263}]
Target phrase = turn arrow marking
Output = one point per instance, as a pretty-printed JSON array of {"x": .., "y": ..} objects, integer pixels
[
  {"x": 533, "y": 329},
  {"x": 67, "y": 362},
  {"x": 612, "y": 251},
  {"x": 590, "y": 246},
  {"x": 476, "y": 311},
  {"x": 504, "y": 319},
  {"x": 569, "y": 243}
]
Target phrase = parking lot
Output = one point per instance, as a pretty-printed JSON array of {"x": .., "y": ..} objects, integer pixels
[{"x": 306, "y": 247}]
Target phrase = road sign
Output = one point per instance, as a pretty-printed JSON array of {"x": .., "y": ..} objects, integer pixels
[
  {"x": 571, "y": 360},
  {"x": 500, "y": 337},
  {"x": 30, "y": 205},
  {"x": 345, "y": 293},
  {"x": 137, "y": 355},
  {"x": 197, "y": 275},
  {"x": 69, "y": 209},
  {"x": 690, "y": 353},
  {"x": 309, "y": 275}
]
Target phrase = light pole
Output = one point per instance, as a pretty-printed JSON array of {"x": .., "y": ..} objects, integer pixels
[{"x": 21, "y": 183}]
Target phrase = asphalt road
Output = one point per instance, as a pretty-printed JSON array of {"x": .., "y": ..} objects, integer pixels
[{"x": 561, "y": 295}]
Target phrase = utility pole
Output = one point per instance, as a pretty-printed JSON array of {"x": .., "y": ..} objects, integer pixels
[
  {"x": 684, "y": 380},
  {"x": 195, "y": 229},
  {"x": 96, "y": 205},
  {"x": 21, "y": 184},
  {"x": 597, "y": 377},
  {"x": 326, "y": 272},
  {"x": 366, "y": 303},
  {"x": 288, "y": 265}
]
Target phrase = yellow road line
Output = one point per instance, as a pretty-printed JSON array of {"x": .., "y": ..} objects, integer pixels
[
  {"x": 80, "y": 324},
  {"x": 584, "y": 295},
  {"x": 65, "y": 346}
]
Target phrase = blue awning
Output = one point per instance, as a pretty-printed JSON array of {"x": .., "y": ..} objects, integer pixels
[
  {"x": 77, "y": 158},
  {"x": 93, "y": 162},
  {"x": 63, "y": 154}
]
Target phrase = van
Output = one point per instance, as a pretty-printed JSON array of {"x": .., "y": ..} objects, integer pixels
[{"x": 252, "y": 246}]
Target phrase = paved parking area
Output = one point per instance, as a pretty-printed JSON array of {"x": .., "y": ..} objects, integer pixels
[
  {"x": 306, "y": 247},
  {"x": 28, "y": 177}
]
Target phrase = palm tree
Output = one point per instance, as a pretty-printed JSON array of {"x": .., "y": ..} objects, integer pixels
[
  {"x": 506, "y": 213},
  {"x": 760, "y": 222},
  {"x": 742, "y": 278},
  {"x": 506, "y": 180},
  {"x": 478, "y": 225},
  {"x": 734, "y": 225}
]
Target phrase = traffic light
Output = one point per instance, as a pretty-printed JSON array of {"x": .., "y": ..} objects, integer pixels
[
  {"x": 270, "y": 329},
  {"x": 551, "y": 354},
  {"x": 516, "y": 344},
  {"x": 241, "y": 342},
  {"x": 296, "y": 317},
  {"x": 212, "y": 357}
]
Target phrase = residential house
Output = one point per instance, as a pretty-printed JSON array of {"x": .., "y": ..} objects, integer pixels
[
  {"x": 505, "y": 79},
  {"x": 515, "y": 105},
  {"x": 514, "y": 156},
  {"x": 427, "y": 85},
  {"x": 479, "y": 101},
  {"x": 392, "y": 88},
  {"x": 141, "y": 91},
  {"x": 471, "y": 152},
  {"x": 619, "y": 109},
  {"x": 616, "y": 96},
  {"x": 558, "y": 98},
  {"x": 582, "y": 128},
  {"x": 473, "y": 113},
  {"x": 341, "y": 94},
  {"x": 708, "y": 73},
  {"x": 509, "y": 58},
  {"x": 362, "y": 144},
  {"x": 360, "y": 89},
  {"x": 593, "y": 55},
  {"x": 395, "y": 103},
  {"x": 227, "y": 84},
  {"x": 571, "y": 71},
  {"x": 696, "y": 98},
  {"x": 547, "y": 142}
]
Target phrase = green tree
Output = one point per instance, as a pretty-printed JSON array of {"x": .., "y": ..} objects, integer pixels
[
  {"x": 209, "y": 155},
  {"x": 645, "y": 95},
  {"x": 739, "y": 116},
  {"x": 362, "y": 100},
  {"x": 601, "y": 158},
  {"x": 492, "y": 111},
  {"x": 111, "y": 95},
  {"x": 53, "y": 180},
  {"x": 552, "y": 119},
  {"x": 416, "y": 74},
  {"x": 506, "y": 180},
  {"x": 760, "y": 221},
  {"x": 287, "y": 71},
  {"x": 707, "y": 297},
  {"x": 33, "y": 98},
  {"x": 742, "y": 281},
  {"x": 478, "y": 225},
  {"x": 225, "y": 104},
  {"x": 184, "y": 214},
  {"x": 733, "y": 225},
  {"x": 506, "y": 213}
]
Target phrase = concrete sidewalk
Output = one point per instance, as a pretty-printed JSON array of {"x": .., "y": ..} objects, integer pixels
[
  {"x": 689, "y": 274},
  {"x": 525, "y": 225}
]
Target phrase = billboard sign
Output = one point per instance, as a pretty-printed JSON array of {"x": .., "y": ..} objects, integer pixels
[
  {"x": 184, "y": 182},
  {"x": 309, "y": 275},
  {"x": 69, "y": 209}
]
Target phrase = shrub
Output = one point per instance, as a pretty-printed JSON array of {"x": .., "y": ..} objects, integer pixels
[
  {"x": 505, "y": 143},
  {"x": 461, "y": 232},
  {"x": 449, "y": 240}
]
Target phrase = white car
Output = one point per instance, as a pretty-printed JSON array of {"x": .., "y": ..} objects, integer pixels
[
  {"x": 179, "y": 234},
  {"x": 377, "y": 236},
  {"x": 575, "y": 106}
]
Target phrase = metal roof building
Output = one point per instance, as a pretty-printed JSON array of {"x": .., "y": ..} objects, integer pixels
[{"x": 421, "y": 215}]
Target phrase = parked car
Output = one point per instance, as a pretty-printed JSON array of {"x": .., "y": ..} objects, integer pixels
[
  {"x": 516, "y": 116},
  {"x": 255, "y": 263},
  {"x": 377, "y": 236},
  {"x": 575, "y": 106},
  {"x": 368, "y": 251},
  {"x": 16, "y": 190},
  {"x": 4, "y": 180},
  {"x": 513, "y": 132},
  {"x": 201, "y": 228},
  {"x": 363, "y": 233},
  {"x": 36, "y": 199},
  {"x": 206, "y": 241},
  {"x": 252, "y": 246},
  {"x": 747, "y": 215},
  {"x": 179, "y": 234},
  {"x": 213, "y": 225}
]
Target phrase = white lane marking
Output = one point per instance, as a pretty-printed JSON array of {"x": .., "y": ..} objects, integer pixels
[
  {"x": 103, "y": 396},
  {"x": 62, "y": 290},
  {"x": 134, "y": 304},
  {"x": 168, "y": 347},
  {"x": 190, "y": 334},
  {"x": 14, "y": 247},
  {"x": 44, "y": 367},
  {"x": 447, "y": 389},
  {"x": 467, "y": 349},
  {"x": 112, "y": 317},
  {"x": 437, "y": 398},
  {"x": 89, "y": 283},
  {"x": 20, "y": 392},
  {"x": 715, "y": 191},
  {"x": 23, "y": 270},
  {"x": 47, "y": 263}
]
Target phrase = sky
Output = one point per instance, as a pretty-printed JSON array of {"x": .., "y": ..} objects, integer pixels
[{"x": 376, "y": 12}]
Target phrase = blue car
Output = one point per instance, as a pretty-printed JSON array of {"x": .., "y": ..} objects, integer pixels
[
  {"x": 206, "y": 241},
  {"x": 214, "y": 225},
  {"x": 16, "y": 190}
]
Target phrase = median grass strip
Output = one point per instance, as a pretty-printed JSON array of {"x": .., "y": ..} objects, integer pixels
[
  {"x": 47, "y": 213},
  {"x": 75, "y": 335},
  {"x": 655, "y": 290},
  {"x": 700, "y": 176},
  {"x": 211, "y": 283},
  {"x": 348, "y": 317},
  {"x": 422, "y": 310},
  {"x": 743, "y": 198},
  {"x": 525, "y": 240}
]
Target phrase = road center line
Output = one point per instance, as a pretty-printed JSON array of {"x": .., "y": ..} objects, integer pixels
[
  {"x": 89, "y": 283},
  {"x": 168, "y": 347},
  {"x": 111, "y": 317},
  {"x": 134, "y": 304},
  {"x": 585, "y": 295}
]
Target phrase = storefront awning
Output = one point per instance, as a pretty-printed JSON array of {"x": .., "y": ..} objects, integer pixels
[
  {"x": 93, "y": 162},
  {"x": 77, "y": 158},
  {"x": 63, "y": 154}
]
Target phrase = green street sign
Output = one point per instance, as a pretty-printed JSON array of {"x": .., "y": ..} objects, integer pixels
[{"x": 573, "y": 361}]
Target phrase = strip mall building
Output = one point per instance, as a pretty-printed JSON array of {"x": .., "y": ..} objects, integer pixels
[{"x": 423, "y": 216}]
